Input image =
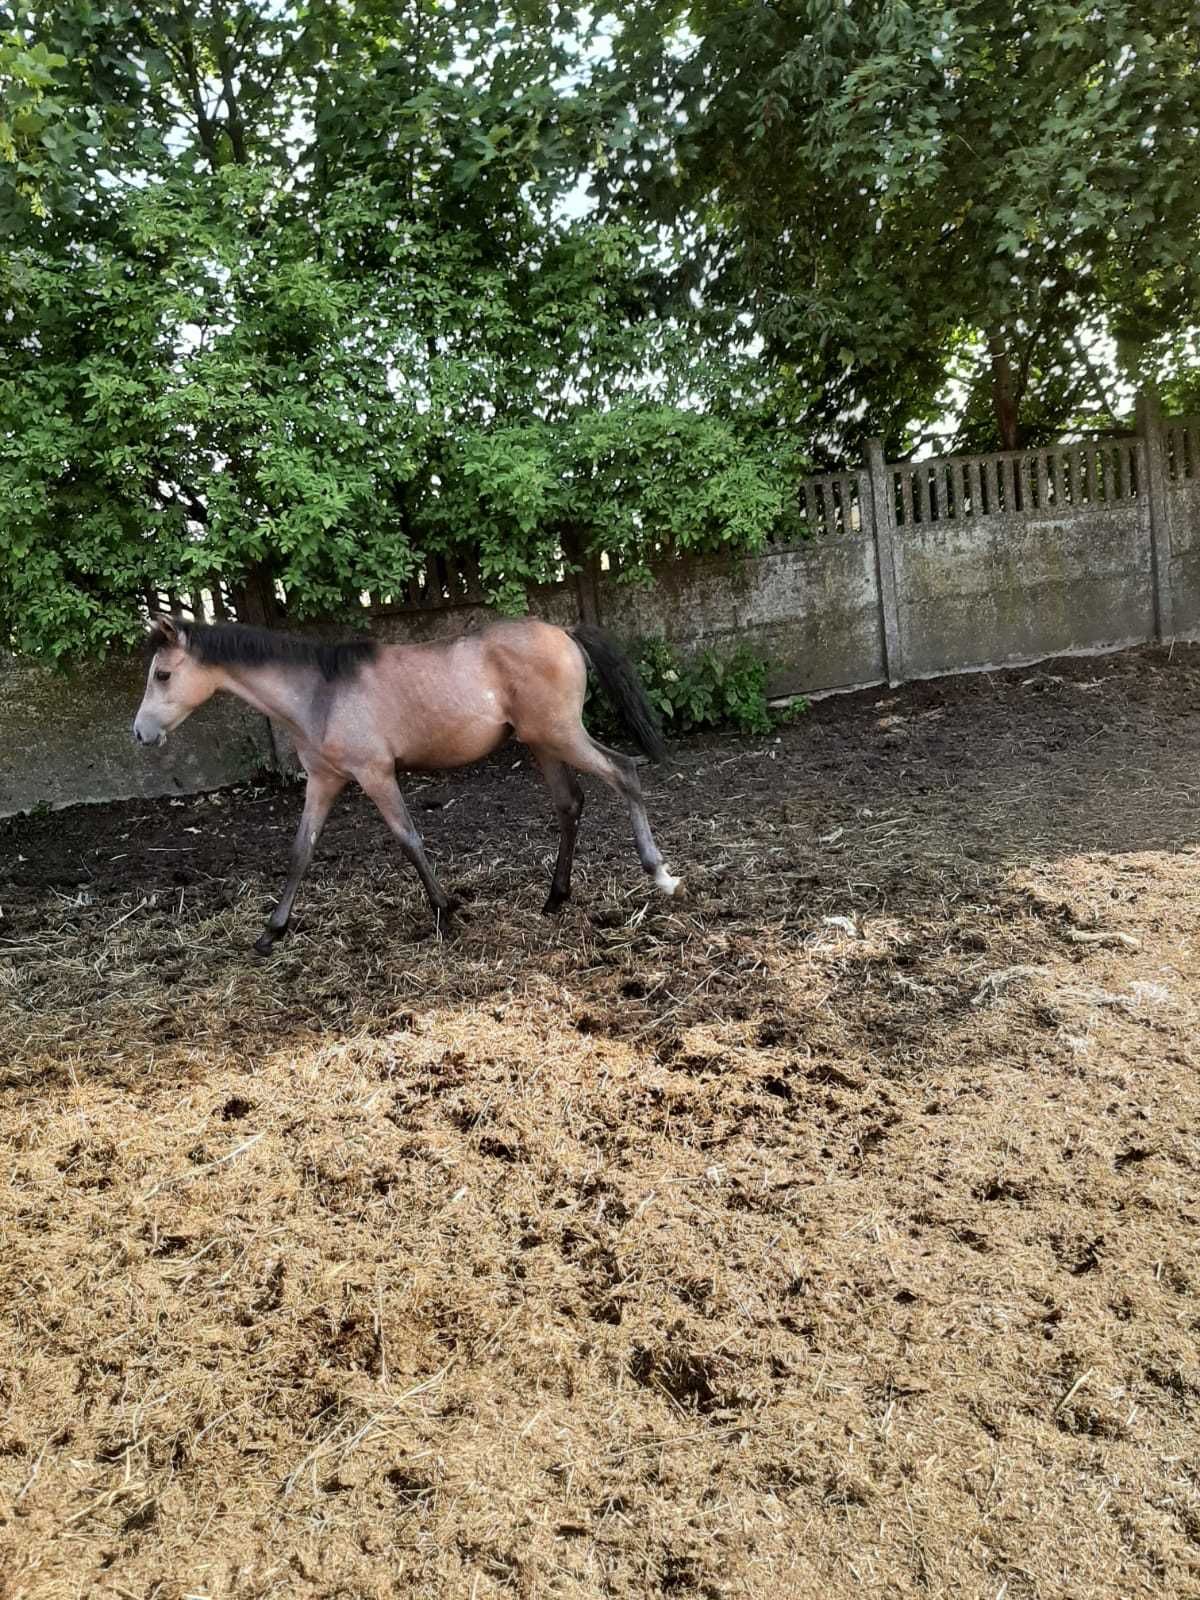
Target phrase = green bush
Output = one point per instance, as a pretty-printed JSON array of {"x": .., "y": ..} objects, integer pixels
[{"x": 703, "y": 691}]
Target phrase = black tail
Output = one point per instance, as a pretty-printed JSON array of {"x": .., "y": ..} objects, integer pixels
[{"x": 624, "y": 689}]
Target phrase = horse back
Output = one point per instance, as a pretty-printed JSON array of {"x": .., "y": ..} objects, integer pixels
[{"x": 450, "y": 702}]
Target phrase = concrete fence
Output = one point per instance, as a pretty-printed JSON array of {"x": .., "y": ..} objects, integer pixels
[{"x": 897, "y": 570}]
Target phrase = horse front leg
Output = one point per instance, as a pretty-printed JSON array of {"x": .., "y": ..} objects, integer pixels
[
  {"x": 323, "y": 789},
  {"x": 383, "y": 789}
]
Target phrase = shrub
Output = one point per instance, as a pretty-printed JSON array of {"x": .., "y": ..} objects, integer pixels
[{"x": 702, "y": 691}]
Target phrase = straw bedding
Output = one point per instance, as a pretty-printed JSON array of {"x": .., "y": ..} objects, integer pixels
[{"x": 832, "y": 1231}]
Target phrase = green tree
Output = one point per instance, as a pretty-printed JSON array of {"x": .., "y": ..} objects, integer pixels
[
  {"x": 898, "y": 192},
  {"x": 298, "y": 309}
]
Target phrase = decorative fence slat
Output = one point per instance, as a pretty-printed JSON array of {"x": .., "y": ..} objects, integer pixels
[
  {"x": 472, "y": 578},
  {"x": 1102, "y": 469},
  {"x": 993, "y": 485},
  {"x": 848, "y": 487},
  {"x": 1068, "y": 476},
  {"x": 827, "y": 524},
  {"x": 906, "y": 495},
  {"x": 924, "y": 509},
  {"x": 804, "y": 506},
  {"x": 1024, "y": 491},
  {"x": 961, "y": 488},
  {"x": 975, "y": 475}
]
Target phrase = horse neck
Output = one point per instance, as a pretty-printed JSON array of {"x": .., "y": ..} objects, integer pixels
[{"x": 283, "y": 693}]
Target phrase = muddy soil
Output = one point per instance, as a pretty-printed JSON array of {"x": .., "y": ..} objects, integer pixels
[{"x": 833, "y": 1229}]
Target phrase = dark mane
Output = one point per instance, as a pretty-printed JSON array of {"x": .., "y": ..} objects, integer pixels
[{"x": 227, "y": 644}]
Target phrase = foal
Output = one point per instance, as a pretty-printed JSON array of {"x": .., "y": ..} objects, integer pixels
[{"x": 358, "y": 710}]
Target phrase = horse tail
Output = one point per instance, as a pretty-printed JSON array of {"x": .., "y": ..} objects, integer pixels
[{"x": 623, "y": 687}]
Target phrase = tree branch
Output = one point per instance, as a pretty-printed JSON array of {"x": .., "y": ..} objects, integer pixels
[
  {"x": 205, "y": 126},
  {"x": 226, "y": 64}
]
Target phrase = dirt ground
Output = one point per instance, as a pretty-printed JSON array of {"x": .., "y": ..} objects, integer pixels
[{"x": 833, "y": 1231}]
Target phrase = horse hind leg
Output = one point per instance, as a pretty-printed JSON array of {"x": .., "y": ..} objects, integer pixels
[
  {"x": 581, "y": 751},
  {"x": 567, "y": 795}
]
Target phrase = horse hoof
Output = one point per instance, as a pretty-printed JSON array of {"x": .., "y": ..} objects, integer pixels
[
  {"x": 664, "y": 882},
  {"x": 554, "y": 903},
  {"x": 265, "y": 942},
  {"x": 447, "y": 919}
]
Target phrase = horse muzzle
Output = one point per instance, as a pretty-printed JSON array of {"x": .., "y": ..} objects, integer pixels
[{"x": 148, "y": 735}]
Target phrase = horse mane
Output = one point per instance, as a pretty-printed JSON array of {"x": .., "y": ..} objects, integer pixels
[{"x": 227, "y": 644}]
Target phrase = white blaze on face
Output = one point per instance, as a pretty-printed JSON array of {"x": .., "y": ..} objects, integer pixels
[{"x": 149, "y": 724}]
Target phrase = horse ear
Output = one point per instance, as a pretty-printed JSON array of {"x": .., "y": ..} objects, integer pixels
[{"x": 164, "y": 632}]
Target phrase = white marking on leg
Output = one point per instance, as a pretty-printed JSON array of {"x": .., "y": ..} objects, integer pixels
[{"x": 664, "y": 881}]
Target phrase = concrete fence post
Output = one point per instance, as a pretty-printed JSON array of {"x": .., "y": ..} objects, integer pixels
[
  {"x": 883, "y": 531},
  {"x": 1155, "y": 507}
]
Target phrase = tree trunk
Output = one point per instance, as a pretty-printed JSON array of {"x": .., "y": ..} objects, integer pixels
[
  {"x": 1004, "y": 391},
  {"x": 255, "y": 599},
  {"x": 585, "y": 570}
]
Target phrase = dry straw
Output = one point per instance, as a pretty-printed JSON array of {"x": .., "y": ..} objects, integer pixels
[{"x": 831, "y": 1233}]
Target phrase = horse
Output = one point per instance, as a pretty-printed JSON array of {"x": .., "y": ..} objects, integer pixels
[{"x": 360, "y": 709}]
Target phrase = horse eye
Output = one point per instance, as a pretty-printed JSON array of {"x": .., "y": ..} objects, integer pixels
[{"x": 161, "y": 677}]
